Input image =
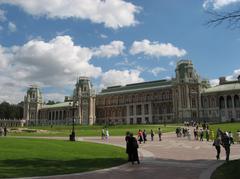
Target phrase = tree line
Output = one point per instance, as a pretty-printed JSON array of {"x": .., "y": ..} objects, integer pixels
[{"x": 11, "y": 111}]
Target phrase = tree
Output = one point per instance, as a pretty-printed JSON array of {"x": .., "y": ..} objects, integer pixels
[{"x": 232, "y": 18}]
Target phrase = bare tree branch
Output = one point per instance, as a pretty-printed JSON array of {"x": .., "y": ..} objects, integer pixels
[{"x": 231, "y": 18}]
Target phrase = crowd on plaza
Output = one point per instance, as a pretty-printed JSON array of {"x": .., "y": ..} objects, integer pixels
[
  {"x": 224, "y": 139},
  {"x": 3, "y": 131}
]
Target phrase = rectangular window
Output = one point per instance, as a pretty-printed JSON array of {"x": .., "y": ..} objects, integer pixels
[
  {"x": 131, "y": 110},
  {"x": 146, "y": 110},
  {"x": 139, "y": 109}
]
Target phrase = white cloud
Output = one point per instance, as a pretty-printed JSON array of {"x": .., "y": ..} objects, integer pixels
[
  {"x": 232, "y": 77},
  {"x": 117, "y": 77},
  {"x": 103, "y": 36},
  {"x": 115, "y": 48},
  {"x": 156, "y": 71},
  {"x": 214, "y": 82},
  {"x": 218, "y": 4},
  {"x": 55, "y": 63},
  {"x": 2, "y": 15},
  {"x": 112, "y": 13},
  {"x": 156, "y": 49},
  {"x": 171, "y": 63},
  {"x": 54, "y": 96},
  {"x": 12, "y": 27}
]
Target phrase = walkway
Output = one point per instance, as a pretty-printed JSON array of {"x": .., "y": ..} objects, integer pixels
[{"x": 172, "y": 158}]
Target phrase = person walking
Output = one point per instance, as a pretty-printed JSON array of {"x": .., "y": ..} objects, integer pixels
[
  {"x": 226, "y": 144},
  {"x": 107, "y": 134},
  {"x": 127, "y": 138},
  {"x": 103, "y": 134},
  {"x": 133, "y": 149},
  {"x": 144, "y": 136},
  {"x": 140, "y": 136},
  {"x": 159, "y": 134},
  {"x": 152, "y": 135},
  {"x": 201, "y": 135},
  {"x": 238, "y": 136},
  {"x": 5, "y": 131},
  {"x": 217, "y": 145},
  {"x": 207, "y": 134},
  {"x": 1, "y": 131}
]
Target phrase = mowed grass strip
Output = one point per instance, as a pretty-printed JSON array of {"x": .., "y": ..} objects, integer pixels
[
  {"x": 39, "y": 157},
  {"x": 229, "y": 170},
  {"x": 117, "y": 130},
  {"x": 233, "y": 127}
]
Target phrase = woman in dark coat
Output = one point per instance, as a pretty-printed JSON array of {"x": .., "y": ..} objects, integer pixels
[
  {"x": 127, "y": 138},
  {"x": 133, "y": 149}
]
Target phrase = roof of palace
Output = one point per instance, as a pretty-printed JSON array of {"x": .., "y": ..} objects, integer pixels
[
  {"x": 227, "y": 86},
  {"x": 57, "y": 105},
  {"x": 150, "y": 85}
]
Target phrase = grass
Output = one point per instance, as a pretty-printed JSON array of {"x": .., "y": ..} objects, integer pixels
[
  {"x": 39, "y": 157},
  {"x": 233, "y": 127},
  {"x": 117, "y": 130},
  {"x": 230, "y": 170}
]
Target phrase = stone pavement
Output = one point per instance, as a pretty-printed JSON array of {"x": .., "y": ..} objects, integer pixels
[{"x": 171, "y": 158}]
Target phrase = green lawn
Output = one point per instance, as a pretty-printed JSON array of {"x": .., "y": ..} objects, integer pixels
[
  {"x": 233, "y": 127},
  {"x": 230, "y": 170},
  {"x": 35, "y": 157},
  {"x": 117, "y": 130}
]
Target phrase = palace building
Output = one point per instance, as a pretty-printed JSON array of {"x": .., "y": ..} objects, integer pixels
[{"x": 183, "y": 98}]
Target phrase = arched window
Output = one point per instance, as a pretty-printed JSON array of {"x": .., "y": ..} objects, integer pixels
[
  {"x": 229, "y": 102},
  {"x": 236, "y": 101},
  {"x": 221, "y": 102}
]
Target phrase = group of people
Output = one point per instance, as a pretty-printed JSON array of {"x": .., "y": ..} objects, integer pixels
[
  {"x": 3, "y": 131},
  {"x": 142, "y": 135},
  {"x": 105, "y": 134}
]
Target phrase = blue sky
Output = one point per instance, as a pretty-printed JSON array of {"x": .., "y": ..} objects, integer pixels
[{"x": 111, "y": 41}]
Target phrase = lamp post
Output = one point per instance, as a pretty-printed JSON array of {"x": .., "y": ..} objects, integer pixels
[{"x": 72, "y": 135}]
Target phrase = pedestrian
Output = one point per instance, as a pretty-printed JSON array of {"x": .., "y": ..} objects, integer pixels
[
  {"x": 5, "y": 131},
  {"x": 140, "y": 136},
  {"x": 217, "y": 145},
  {"x": 107, "y": 134},
  {"x": 159, "y": 134},
  {"x": 189, "y": 134},
  {"x": 133, "y": 149},
  {"x": 127, "y": 138},
  {"x": 103, "y": 134},
  {"x": 201, "y": 135},
  {"x": 212, "y": 135},
  {"x": 1, "y": 131},
  {"x": 207, "y": 134},
  {"x": 144, "y": 136},
  {"x": 226, "y": 144},
  {"x": 195, "y": 134},
  {"x": 238, "y": 136},
  {"x": 152, "y": 135},
  {"x": 231, "y": 137}
]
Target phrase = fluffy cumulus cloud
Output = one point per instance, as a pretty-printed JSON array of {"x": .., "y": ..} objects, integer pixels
[
  {"x": 156, "y": 71},
  {"x": 56, "y": 64},
  {"x": 12, "y": 27},
  {"x": 118, "y": 77},
  {"x": 218, "y": 4},
  {"x": 156, "y": 49},
  {"x": 112, "y": 13},
  {"x": 115, "y": 48}
]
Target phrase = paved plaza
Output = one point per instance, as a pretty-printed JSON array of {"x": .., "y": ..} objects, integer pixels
[{"x": 172, "y": 158}]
